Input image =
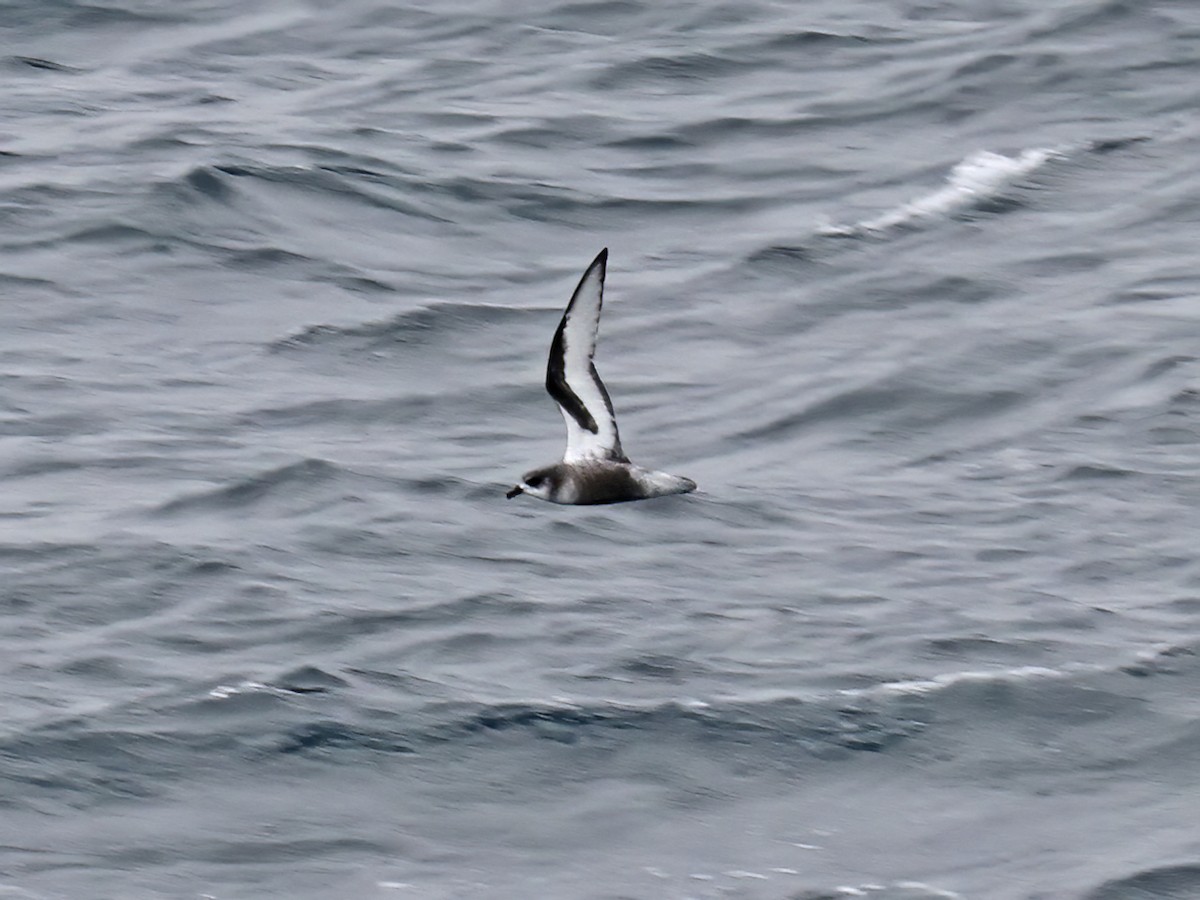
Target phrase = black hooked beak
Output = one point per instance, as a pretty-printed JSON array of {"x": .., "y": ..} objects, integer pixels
[{"x": 517, "y": 489}]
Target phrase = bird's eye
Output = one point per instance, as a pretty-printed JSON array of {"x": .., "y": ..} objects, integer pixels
[{"x": 535, "y": 481}]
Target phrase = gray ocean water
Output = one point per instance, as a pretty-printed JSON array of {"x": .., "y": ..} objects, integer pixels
[{"x": 910, "y": 288}]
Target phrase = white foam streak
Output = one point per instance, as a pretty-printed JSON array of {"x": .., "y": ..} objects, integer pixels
[
  {"x": 1149, "y": 656},
  {"x": 939, "y": 682},
  {"x": 981, "y": 176},
  {"x": 225, "y": 691}
]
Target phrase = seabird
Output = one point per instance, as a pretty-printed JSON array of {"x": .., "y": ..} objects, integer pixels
[{"x": 594, "y": 468}]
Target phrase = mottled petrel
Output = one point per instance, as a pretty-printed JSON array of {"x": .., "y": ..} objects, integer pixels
[{"x": 594, "y": 468}]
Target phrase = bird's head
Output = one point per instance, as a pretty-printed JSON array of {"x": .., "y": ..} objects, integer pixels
[{"x": 539, "y": 483}]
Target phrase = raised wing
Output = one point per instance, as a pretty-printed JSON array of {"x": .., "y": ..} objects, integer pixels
[{"x": 571, "y": 377}]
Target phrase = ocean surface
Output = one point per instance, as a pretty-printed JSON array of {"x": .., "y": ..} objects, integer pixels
[{"x": 910, "y": 288}]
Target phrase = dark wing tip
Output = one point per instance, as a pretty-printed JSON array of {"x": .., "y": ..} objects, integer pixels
[{"x": 600, "y": 260}]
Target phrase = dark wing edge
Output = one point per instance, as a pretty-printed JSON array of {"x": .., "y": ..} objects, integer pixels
[
  {"x": 557, "y": 387},
  {"x": 615, "y": 452}
]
